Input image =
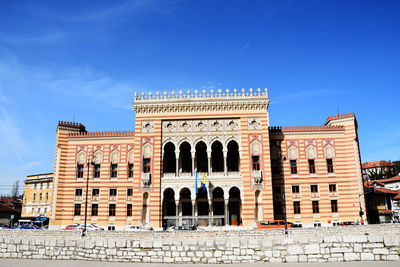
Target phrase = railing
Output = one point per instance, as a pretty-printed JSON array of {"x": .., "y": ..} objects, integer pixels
[
  {"x": 296, "y": 195},
  {"x": 215, "y": 220},
  {"x": 333, "y": 194},
  {"x": 146, "y": 179},
  {"x": 314, "y": 195}
]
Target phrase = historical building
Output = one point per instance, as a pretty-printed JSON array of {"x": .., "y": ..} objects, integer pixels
[
  {"x": 37, "y": 196},
  {"x": 208, "y": 158}
]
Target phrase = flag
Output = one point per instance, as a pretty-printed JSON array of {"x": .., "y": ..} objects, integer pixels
[
  {"x": 197, "y": 190},
  {"x": 204, "y": 182}
]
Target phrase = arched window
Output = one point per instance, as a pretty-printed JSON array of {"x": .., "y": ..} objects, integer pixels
[
  {"x": 169, "y": 161},
  {"x": 201, "y": 157},
  {"x": 217, "y": 157},
  {"x": 185, "y": 157},
  {"x": 233, "y": 156}
]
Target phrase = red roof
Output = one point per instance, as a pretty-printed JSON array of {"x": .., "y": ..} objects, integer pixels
[
  {"x": 379, "y": 163},
  {"x": 387, "y": 212},
  {"x": 397, "y": 197},
  {"x": 385, "y": 190}
]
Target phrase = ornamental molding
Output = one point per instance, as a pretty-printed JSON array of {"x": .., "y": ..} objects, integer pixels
[
  {"x": 254, "y": 123},
  {"x": 148, "y": 126}
]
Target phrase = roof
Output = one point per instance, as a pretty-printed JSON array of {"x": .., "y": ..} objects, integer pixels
[
  {"x": 397, "y": 197},
  {"x": 4, "y": 208},
  {"x": 387, "y": 212},
  {"x": 379, "y": 163},
  {"x": 382, "y": 190},
  {"x": 382, "y": 182}
]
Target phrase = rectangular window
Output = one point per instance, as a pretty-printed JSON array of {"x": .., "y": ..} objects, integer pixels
[
  {"x": 295, "y": 189},
  {"x": 78, "y": 192},
  {"x": 47, "y": 196},
  {"x": 40, "y": 197},
  {"x": 95, "y": 192},
  {"x": 296, "y": 207},
  {"x": 130, "y": 170},
  {"x": 334, "y": 206},
  {"x": 293, "y": 167},
  {"x": 256, "y": 162},
  {"x": 34, "y": 197},
  {"x": 79, "y": 170},
  {"x": 314, "y": 188},
  {"x": 315, "y": 206},
  {"x": 113, "y": 192},
  {"x": 45, "y": 210},
  {"x": 95, "y": 209},
  {"x": 111, "y": 210},
  {"x": 129, "y": 210},
  {"x": 114, "y": 170},
  {"x": 48, "y": 184},
  {"x": 77, "y": 210},
  {"x": 332, "y": 188},
  {"x": 329, "y": 163},
  {"x": 146, "y": 165},
  {"x": 111, "y": 228},
  {"x": 96, "y": 170},
  {"x": 311, "y": 166},
  {"x": 129, "y": 192},
  {"x": 275, "y": 166}
]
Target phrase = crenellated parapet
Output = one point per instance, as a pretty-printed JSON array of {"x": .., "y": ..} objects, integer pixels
[
  {"x": 305, "y": 128},
  {"x": 71, "y": 126},
  {"x": 105, "y": 133},
  {"x": 211, "y": 101},
  {"x": 340, "y": 116}
]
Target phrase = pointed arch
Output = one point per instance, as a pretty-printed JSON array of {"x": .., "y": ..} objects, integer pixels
[
  {"x": 329, "y": 151},
  {"x": 311, "y": 152},
  {"x": 114, "y": 156},
  {"x": 81, "y": 157}
]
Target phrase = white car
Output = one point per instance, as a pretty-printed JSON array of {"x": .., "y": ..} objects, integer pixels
[
  {"x": 90, "y": 227},
  {"x": 134, "y": 228}
]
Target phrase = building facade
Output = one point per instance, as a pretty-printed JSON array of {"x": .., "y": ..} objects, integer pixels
[
  {"x": 208, "y": 158},
  {"x": 37, "y": 196}
]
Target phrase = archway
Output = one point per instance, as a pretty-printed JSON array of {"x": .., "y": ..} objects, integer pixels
[
  {"x": 169, "y": 161},
  {"x": 186, "y": 208},
  {"x": 185, "y": 158},
  {"x": 169, "y": 208},
  {"x": 203, "y": 208},
  {"x": 234, "y": 206},
  {"x": 233, "y": 157},
  {"x": 217, "y": 157},
  {"x": 201, "y": 157},
  {"x": 258, "y": 206},
  {"x": 218, "y": 207},
  {"x": 145, "y": 211}
]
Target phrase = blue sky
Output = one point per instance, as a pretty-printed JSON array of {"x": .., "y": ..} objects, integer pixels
[{"x": 83, "y": 61}]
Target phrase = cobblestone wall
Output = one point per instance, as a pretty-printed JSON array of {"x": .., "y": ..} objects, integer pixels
[{"x": 366, "y": 243}]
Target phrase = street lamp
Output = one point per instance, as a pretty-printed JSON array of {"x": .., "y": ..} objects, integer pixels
[
  {"x": 89, "y": 163},
  {"x": 284, "y": 196}
]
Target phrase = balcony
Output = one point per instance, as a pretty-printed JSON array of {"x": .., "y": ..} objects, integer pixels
[
  {"x": 95, "y": 198},
  {"x": 315, "y": 195},
  {"x": 146, "y": 180},
  {"x": 78, "y": 198},
  {"x": 333, "y": 194},
  {"x": 112, "y": 198},
  {"x": 296, "y": 195}
]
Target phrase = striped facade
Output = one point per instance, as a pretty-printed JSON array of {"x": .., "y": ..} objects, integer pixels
[{"x": 148, "y": 177}]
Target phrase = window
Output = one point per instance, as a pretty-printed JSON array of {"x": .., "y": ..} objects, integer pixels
[
  {"x": 146, "y": 165},
  {"x": 332, "y": 188},
  {"x": 95, "y": 192},
  {"x": 329, "y": 163},
  {"x": 256, "y": 162},
  {"x": 334, "y": 206},
  {"x": 78, "y": 192},
  {"x": 111, "y": 228},
  {"x": 45, "y": 210},
  {"x": 33, "y": 210},
  {"x": 293, "y": 167},
  {"x": 317, "y": 224},
  {"x": 315, "y": 206},
  {"x": 96, "y": 170},
  {"x": 79, "y": 171},
  {"x": 129, "y": 210},
  {"x": 40, "y": 197},
  {"x": 311, "y": 166},
  {"x": 48, "y": 185},
  {"x": 35, "y": 186},
  {"x": 130, "y": 170},
  {"x": 296, "y": 207},
  {"x": 38, "y": 210},
  {"x": 34, "y": 197},
  {"x": 113, "y": 192},
  {"x": 295, "y": 189},
  {"x": 47, "y": 196},
  {"x": 314, "y": 188},
  {"x": 129, "y": 192},
  {"x": 114, "y": 170},
  {"x": 95, "y": 209},
  {"x": 275, "y": 166},
  {"x": 111, "y": 210},
  {"x": 41, "y": 186},
  {"x": 77, "y": 210}
]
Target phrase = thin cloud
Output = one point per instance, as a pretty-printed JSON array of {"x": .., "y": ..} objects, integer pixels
[
  {"x": 44, "y": 39},
  {"x": 246, "y": 45},
  {"x": 32, "y": 164}
]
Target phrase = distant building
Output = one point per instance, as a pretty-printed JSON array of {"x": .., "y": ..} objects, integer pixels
[
  {"x": 208, "y": 159},
  {"x": 381, "y": 169},
  {"x": 10, "y": 209},
  {"x": 383, "y": 200},
  {"x": 37, "y": 196}
]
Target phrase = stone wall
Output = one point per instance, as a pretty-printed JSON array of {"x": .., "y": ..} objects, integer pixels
[{"x": 351, "y": 243}]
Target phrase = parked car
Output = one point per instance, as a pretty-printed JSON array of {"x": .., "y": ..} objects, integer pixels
[
  {"x": 73, "y": 227},
  {"x": 29, "y": 226},
  {"x": 348, "y": 223},
  {"x": 90, "y": 227},
  {"x": 180, "y": 228},
  {"x": 272, "y": 224},
  {"x": 133, "y": 228}
]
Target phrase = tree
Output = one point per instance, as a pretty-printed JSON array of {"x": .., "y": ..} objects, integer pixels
[{"x": 15, "y": 189}]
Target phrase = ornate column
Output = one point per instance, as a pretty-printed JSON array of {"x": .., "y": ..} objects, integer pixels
[
  {"x": 209, "y": 161},
  {"x": 210, "y": 211},
  {"x": 193, "y": 157},
  {"x": 226, "y": 202},
  {"x": 193, "y": 209},
  {"x": 225, "y": 156},
  {"x": 177, "y": 163}
]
